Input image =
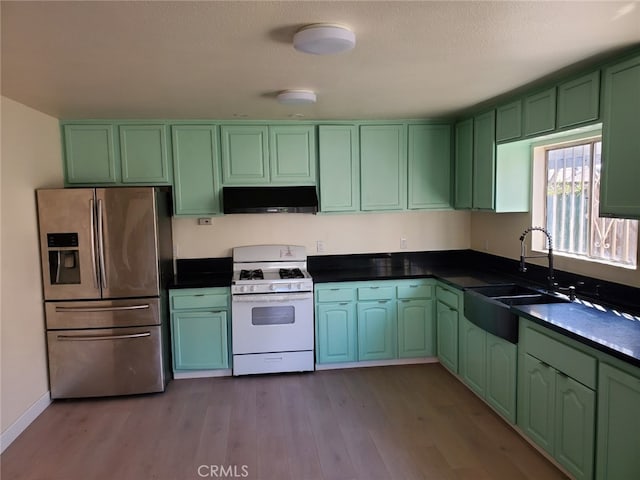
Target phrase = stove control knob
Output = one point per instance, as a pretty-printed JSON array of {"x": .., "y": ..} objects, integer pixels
[
  {"x": 242, "y": 288},
  {"x": 299, "y": 286},
  {"x": 273, "y": 287},
  {"x": 252, "y": 288}
]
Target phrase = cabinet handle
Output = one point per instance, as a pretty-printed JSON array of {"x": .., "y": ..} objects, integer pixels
[
  {"x": 199, "y": 295},
  {"x": 414, "y": 286},
  {"x": 374, "y": 288},
  {"x": 343, "y": 303},
  {"x": 383, "y": 301},
  {"x": 562, "y": 374},
  {"x": 404, "y": 301},
  {"x": 334, "y": 289}
]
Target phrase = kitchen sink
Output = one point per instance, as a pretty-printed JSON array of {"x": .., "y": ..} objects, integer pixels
[{"x": 489, "y": 307}]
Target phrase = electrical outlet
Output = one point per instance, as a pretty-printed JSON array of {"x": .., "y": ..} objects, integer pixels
[
  {"x": 204, "y": 221},
  {"x": 403, "y": 243},
  {"x": 320, "y": 246}
]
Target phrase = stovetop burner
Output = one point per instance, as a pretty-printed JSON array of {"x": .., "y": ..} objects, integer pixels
[
  {"x": 291, "y": 273},
  {"x": 251, "y": 274}
]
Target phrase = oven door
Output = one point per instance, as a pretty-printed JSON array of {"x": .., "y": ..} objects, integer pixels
[{"x": 272, "y": 322}]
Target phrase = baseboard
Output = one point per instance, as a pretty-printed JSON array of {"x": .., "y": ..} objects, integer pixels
[
  {"x": 181, "y": 375},
  {"x": 376, "y": 363},
  {"x": 20, "y": 425}
]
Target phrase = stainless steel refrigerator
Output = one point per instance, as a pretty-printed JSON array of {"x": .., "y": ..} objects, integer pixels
[{"x": 106, "y": 260}]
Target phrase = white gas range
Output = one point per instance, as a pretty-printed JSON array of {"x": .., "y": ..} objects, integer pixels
[{"x": 271, "y": 310}]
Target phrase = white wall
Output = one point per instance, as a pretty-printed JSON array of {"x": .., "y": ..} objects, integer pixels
[
  {"x": 31, "y": 159},
  {"x": 341, "y": 234}
]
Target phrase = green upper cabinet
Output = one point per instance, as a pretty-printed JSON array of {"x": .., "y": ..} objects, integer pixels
[
  {"x": 619, "y": 192},
  {"x": 89, "y": 154},
  {"x": 509, "y": 121},
  {"x": 540, "y": 112},
  {"x": 429, "y": 166},
  {"x": 383, "y": 167},
  {"x": 579, "y": 100},
  {"x": 245, "y": 154},
  {"x": 513, "y": 177},
  {"x": 292, "y": 154},
  {"x": 196, "y": 165},
  {"x": 143, "y": 154},
  {"x": 339, "y": 168},
  {"x": 463, "y": 164},
  {"x": 484, "y": 160}
]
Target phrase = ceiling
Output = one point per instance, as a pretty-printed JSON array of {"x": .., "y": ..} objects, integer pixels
[{"x": 228, "y": 59}]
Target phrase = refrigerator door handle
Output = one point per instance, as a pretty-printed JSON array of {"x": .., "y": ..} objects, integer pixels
[
  {"x": 102, "y": 309},
  {"x": 89, "y": 338},
  {"x": 103, "y": 273},
  {"x": 94, "y": 266}
]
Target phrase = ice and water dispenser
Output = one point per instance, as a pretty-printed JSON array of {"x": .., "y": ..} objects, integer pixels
[{"x": 64, "y": 262}]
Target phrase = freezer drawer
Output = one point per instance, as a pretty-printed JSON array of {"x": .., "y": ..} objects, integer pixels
[
  {"x": 103, "y": 313},
  {"x": 105, "y": 362}
]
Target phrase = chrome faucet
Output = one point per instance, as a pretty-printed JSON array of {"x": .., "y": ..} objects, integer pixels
[{"x": 549, "y": 255}]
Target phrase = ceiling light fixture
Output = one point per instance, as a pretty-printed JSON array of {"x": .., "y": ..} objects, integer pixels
[
  {"x": 324, "y": 39},
  {"x": 297, "y": 97}
]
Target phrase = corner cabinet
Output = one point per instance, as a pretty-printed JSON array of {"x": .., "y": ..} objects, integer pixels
[
  {"x": 339, "y": 165},
  {"x": 200, "y": 328},
  {"x": 619, "y": 193},
  {"x": 484, "y": 160},
  {"x": 463, "y": 165},
  {"x": 448, "y": 305},
  {"x": 429, "y": 166}
]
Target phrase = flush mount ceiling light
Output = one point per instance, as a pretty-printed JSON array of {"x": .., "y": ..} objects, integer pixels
[
  {"x": 324, "y": 39},
  {"x": 296, "y": 97}
]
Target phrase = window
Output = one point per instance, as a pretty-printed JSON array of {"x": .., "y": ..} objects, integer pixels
[{"x": 572, "y": 203}]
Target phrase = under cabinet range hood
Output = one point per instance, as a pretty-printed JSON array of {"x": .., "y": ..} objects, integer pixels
[{"x": 303, "y": 199}]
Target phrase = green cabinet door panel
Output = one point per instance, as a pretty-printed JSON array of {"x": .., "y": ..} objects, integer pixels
[
  {"x": 416, "y": 329},
  {"x": 196, "y": 168},
  {"x": 540, "y": 112},
  {"x": 463, "y": 165},
  {"x": 618, "y": 445},
  {"x": 579, "y": 100},
  {"x": 245, "y": 154},
  {"x": 509, "y": 121},
  {"x": 472, "y": 351},
  {"x": 447, "y": 335},
  {"x": 513, "y": 177},
  {"x": 575, "y": 426},
  {"x": 500, "y": 388},
  {"x": 619, "y": 192},
  {"x": 199, "y": 340},
  {"x": 536, "y": 401},
  {"x": 484, "y": 160},
  {"x": 429, "y": 166},
  {"x": 377, "y": 330},
  {"x": 143, "y": 154},
  {"x": 292, "y": 154},
  {"x": 339, "y": 168},
  {"x": 383, "y": 167},
  {"x": 336, "y": 333},
  {"x": 89, "y": 154}
]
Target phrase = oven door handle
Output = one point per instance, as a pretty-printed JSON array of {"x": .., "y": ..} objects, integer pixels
[{"x": 272, "y": 298}]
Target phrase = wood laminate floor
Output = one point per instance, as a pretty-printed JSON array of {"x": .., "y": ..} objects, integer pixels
[{"x": 387, "y": 423}]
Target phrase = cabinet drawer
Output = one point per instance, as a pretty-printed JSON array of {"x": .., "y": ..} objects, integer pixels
[
  {"x": 199, "y": 301},
  {"x": 447, "y": 296},
  {"x": 568, "y": 360},
  {"x": 415, "y": 291},
  {"x": 376, "y": 293},
  {"x": 335, "y": 295}
]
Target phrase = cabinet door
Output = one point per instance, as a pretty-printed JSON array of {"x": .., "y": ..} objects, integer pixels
[
  {"x": 540, "y": 112},
  {"x": 196, "y": 170},
  {"x": 89, "y": 154},
  {"x": 336, "y": 333},
  {"x": 618, "y": 424},
  {"x": 484, "y": 160},
  {"x": 245, "y": 154},
  {"x": 416, "y": 329},
  {"x": 463, "y": 165},
  {"x": 447, "y": 335},
  {"x": 143, "y": 154},
  {"x": 575, "y": 426},
  {"x": 383, "y": 167},
  {"x": 377, "y": 328},
  {"x": 199, "y": 340},
  {"x": 292, "y": 154},
  {"x": 429, "y": 166},
  {"x": 339, "y": 167},
  {"x": 536, "y": 401},
  {"x": 619, "y": 192},
  {"x": 500, "y": 390},
  {"x": 472, "y": 356},
  {"x": 509, "y": 121},
  {"x": 579, "y": 100}
]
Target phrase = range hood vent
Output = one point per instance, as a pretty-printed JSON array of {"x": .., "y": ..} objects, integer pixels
[{"x": 302, "y": 199}]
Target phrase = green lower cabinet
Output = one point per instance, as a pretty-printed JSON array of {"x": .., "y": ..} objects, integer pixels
[
  {"x": 473, "y": 362},
  {"x": 199, "y": 340},
  {"x": 377, "y": 330},
  {"x": 336, "y": 332},
  {"x": 416, "y": 329},
  {"x": 500, "y": 389},
  {"x": 447, "y": 335},
  {"x": 618, "y": 448}
]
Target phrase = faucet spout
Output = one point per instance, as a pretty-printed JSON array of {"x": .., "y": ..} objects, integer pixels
[{"x": 523, "y": 256}]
